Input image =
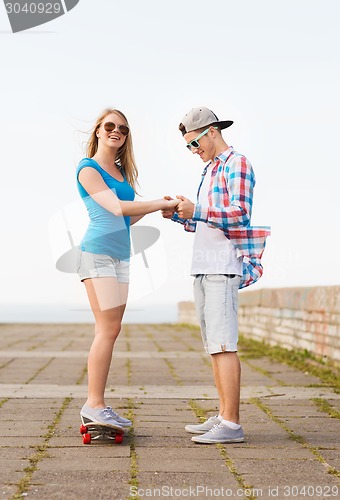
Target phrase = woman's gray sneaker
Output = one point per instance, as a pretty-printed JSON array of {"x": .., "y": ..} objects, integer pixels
[
  {"x": 98, "y": 415},
  {"x": 124, "y": 422},
  {"x": 205, "y": 427},
  {"x": 220, "y": 433}
]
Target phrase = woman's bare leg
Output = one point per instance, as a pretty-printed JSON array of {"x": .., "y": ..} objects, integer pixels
[{"x": 108, "y": 301}]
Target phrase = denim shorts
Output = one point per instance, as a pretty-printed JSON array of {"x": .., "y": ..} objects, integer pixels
[
  {"x": 216, "y": 302},
  {"x": 95, "y": 265}
]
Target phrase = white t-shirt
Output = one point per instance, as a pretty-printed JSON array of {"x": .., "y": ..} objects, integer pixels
[{"x": 213, "y": 253}]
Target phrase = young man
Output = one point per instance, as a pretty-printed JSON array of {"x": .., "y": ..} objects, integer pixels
[{"x": 226, "y": 256}]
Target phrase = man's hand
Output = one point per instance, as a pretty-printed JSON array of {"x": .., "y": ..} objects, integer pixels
[
  {"x": 168, "y": 213},
  {"x": 185, "y": 208}
]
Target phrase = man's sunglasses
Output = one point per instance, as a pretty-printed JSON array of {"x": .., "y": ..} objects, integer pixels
[
  {"x": 110, "y": 127},
  {"x": 194, "y": 144}
]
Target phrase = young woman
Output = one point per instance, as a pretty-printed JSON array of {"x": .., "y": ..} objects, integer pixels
[{"x": 106, "y": 181}]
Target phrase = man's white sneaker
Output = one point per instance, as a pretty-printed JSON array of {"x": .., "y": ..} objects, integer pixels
[
  {"x": 220, "y": 433},
  {"x": 205, "y": 427}
]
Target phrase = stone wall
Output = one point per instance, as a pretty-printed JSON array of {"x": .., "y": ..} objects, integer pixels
[
  {"x": 187, "y": 313},
  {"x": 294, "y": 318}
]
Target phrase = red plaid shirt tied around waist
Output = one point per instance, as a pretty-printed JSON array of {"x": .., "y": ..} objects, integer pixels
[{"x": 230, "y": 200}]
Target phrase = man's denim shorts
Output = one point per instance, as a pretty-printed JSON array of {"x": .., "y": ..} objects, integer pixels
[
  {"x": 216, "y": 302},
  {"x": 95, "y": 265}
]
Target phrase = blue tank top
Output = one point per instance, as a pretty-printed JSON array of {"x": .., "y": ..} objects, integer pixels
[{"x": 107, "y": 233}]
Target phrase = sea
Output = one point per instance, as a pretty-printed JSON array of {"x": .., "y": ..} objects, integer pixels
[{"x": 63, "y": 313}]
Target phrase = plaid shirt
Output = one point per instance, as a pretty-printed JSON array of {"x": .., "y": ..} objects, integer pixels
[{"x": 230, "y": 200}]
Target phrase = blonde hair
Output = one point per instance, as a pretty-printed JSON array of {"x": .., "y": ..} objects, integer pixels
[{"x": 125, "y": 157}]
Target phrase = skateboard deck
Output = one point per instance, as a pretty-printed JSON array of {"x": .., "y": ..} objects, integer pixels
[{"x": 92, "y": 431}]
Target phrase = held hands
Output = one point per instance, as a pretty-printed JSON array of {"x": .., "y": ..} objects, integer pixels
[
  {"x": 170, "y": 208},
  {"x": 183, "y": 206}
]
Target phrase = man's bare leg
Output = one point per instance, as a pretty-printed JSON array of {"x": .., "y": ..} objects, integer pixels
[{"x": 227, "y": 375}]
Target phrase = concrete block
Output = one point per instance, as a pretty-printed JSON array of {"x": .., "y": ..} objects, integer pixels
[{"x": 249, "y": 299}]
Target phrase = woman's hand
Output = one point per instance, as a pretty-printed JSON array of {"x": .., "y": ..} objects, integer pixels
[{"x": 170, "y": 206}]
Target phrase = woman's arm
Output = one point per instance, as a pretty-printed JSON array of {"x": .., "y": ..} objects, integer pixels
[
  {"x": 94, "y": 185},
  {"x": 135, "y": 218}
]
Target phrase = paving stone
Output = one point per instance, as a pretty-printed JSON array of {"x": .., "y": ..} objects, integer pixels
[
  {"x": 278, "y": 472},
  {"x": 97, "y": 464},
  {"x": 196, "y": 480},
  {"x": 195, "y": 453},
  {"x": 278, "y": 453},
  {"x": 286, "y": 374},
  {"x": 165, "y": 464},
  {"x": 152, "y": 441},
  {"x": 97, "y": 450},
  {"x": 332, "y": 457},
  {"x": 21, "y": 442},
  {"x": 80, "y": 485},
  {"x": 20, "y": 429},
  {"x": 72, "y": 441},
  {"x": 11, "y": 469},
  {"x": 162, "y": 419},
  {"x": 7, "y": 490}
]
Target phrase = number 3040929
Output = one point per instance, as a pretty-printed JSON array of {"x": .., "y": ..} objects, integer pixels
[{"x": 33, "y": 8}]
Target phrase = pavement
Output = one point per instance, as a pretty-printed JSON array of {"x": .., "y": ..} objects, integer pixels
[{"x": 161, "y": 378}]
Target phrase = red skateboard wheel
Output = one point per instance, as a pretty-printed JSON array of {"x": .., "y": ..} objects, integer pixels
[
  {"x": 119, "y": 438},
  {"x": 83, "y": 429},
  {"x": 86, "y": 438}
]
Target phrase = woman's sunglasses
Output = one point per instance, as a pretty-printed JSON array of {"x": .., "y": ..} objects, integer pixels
[
  {"x": 194, "y": 144},
  {"x": 110, "y": 127}
]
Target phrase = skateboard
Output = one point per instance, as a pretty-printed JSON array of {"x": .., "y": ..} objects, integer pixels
[{"x": 92, "y": 431}]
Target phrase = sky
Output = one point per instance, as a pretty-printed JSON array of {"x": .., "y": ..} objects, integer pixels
[{"x": 271, "y": 67}]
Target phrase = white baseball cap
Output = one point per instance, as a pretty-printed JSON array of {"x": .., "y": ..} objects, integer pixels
[{"x": 201, "y": 117}]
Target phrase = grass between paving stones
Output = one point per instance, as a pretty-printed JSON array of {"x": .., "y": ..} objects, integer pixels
[
  {"x": 295, "y": 437},
  {"x": 133, "y": 453},
  {"x": 168, "y": 363},
  {"x": 3, "y": 401},
  {"x": 82, "y": 376},
  {"x": 43, "y": 342},
  {"x": 173, "y": 373},
  {"x": 201, "y": 413},
  {"x": 158, "y": 346},
  {"x": 7, "y": 363},
  {"x": 195, "y": 328},
  {"x": 126, "y": 331},
  {"x": 324, "y": 406},
  {"x": 263, "y": 372},
  {"x": 27, "y": 339},
  {"x": 180, "y": 340},
  {"x": 128, "y": 360},
  {"x": 67, "y": 346},
  {"x": 41, "y": 452},
  {"x": 129, "y": 370},
  {"x": 41, "y": 369},
  {"x": 327, "y": 372}
]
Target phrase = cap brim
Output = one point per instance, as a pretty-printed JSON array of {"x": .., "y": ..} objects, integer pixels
[{"x": 224, "y": 124}]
